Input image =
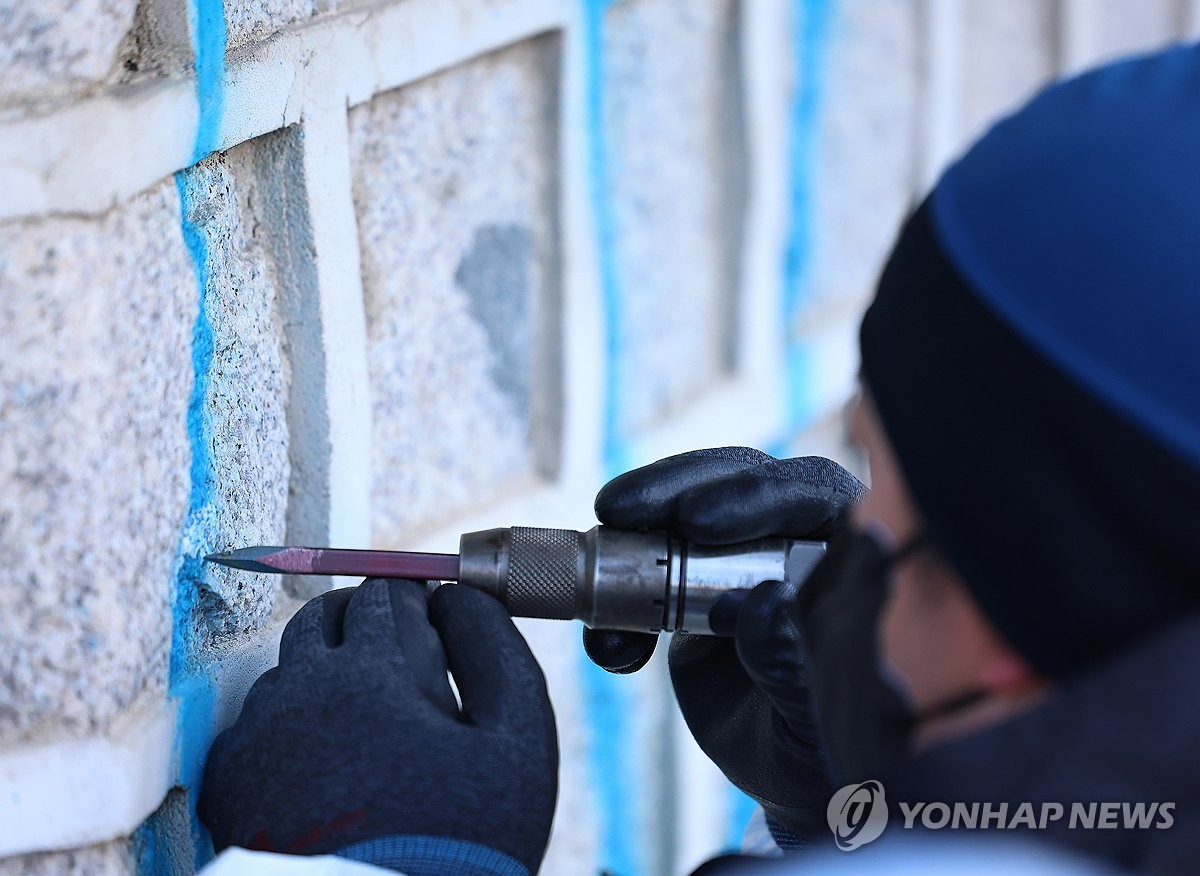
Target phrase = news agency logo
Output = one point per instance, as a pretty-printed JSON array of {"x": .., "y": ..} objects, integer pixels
[{"x": 857, "y": 814}]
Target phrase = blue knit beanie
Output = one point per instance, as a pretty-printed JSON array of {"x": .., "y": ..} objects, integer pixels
[{"x": 1034, "y": 353}]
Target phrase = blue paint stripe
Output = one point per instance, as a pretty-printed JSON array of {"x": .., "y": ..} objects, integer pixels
[
  {"x": 741, "y": 810},
  {"x": 812, "y": 19},
  {"x": 813, "y": 23},
  {"x": 208, "y": 44},
  {"x": 614, "y": 452},
  {"x": 189, "y": 683},
  {"x": 607, "y": 699},
  {"x": 799, "y": 372},
  {"x": 199, "y": 525},
  {"x": 611, "y": 769}
]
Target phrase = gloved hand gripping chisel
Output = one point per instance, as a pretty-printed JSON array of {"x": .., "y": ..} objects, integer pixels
[{"x": 608, "y": 578}]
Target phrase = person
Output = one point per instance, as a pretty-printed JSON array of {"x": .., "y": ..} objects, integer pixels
[{"x": 1010, "y": 617}]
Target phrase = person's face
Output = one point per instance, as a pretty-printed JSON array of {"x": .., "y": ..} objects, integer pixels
[{"x": 934, "y": 640}]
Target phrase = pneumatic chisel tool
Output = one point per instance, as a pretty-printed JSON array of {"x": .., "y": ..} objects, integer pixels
[{"x": 608, "y": 578}]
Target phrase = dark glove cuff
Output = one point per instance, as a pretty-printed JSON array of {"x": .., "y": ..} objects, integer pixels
[
  {"x": 787, "y": 841},
  {"x": 433, "y": 856}
]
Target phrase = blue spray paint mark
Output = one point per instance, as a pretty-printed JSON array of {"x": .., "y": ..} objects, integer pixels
[
  {"x": 172, "y": 842},
  {"x": 798, "y": 380},
  {"x": 208, "y": 45},
  {"x": 606, "y": 698},
  {"x": 190, "y": 684},
  {"x": 810, "y": 37},
  {"x": 197, "y": 709},
  {"x": 199, "y": 528},
  {"x": 147, "y": 846},
  {"x": 159, "y": 840},
  {"x": 615, "y": 453},
  {"x": 741, "y": 810},
  {"x": 607, "y": 703}
]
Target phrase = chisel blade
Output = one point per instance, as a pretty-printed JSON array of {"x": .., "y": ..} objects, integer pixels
[{"x": 331, "y": 561}]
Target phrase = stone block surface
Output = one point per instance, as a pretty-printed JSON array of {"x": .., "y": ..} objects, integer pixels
[
  {"x": 54, "y": 45},
  {"x": 161, "y": 38},
  {"x": 248, "y": 21},
  {"x": 107, "y": 859},
  {"x": 272, "y": 194},
  {"x": 240, "y": 466},
  {"x": 109, "y": 491},
  {"x": 95, "y": 371},
  {"x": 673, "y": 149},
  {"x": 859, "y": 170},
  {"x": 1010, "y": 52},
  {"x": 455, "y": 190}
]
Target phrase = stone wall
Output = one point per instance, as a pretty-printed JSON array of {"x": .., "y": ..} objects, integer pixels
[{"x": 377, "y": 273}]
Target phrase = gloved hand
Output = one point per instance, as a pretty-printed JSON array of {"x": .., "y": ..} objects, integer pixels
[
  {"x": 354, "y": 744},
  {"x": 745, "y": 699}
]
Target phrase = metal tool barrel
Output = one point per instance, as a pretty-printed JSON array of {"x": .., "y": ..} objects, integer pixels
[{"x": 614, "y": 579}]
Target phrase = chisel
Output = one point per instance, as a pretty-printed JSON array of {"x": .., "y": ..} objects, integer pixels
[{"x": 608, "y": 578}]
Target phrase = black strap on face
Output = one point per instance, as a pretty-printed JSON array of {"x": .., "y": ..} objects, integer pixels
[
  {"x": 910, "y": 547},
  {"x": 957, "y": 702},
  {"x": 951, "y": 705}
]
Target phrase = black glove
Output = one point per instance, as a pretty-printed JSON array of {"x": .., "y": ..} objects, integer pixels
[
  {"x": 745, "y": 699},
  {"x": 354, "y": 744}
]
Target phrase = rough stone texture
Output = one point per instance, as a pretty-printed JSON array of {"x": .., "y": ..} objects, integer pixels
[
  {"x": 671, "y": 127},
  {"x": 160, "y": 40},
  {"x": 245, "y": 424},
  {"x": 862, "y": 157},
  {"x": 1010, "y": 53},
  {"x": 95, "y": 374},
  {"x": 94, "y": 378},
  {"x": 248, "y": 21},
  {"x": 455, "y": 189},
  {"x": 55, "y": 45},
  {"x": 106, "y": 859},
  {"x": 272, "y": 191}
]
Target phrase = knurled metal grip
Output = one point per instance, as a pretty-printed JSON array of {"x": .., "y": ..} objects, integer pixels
[
  {"x": 613, "y": 579},
  {"x": 544, "y": 567}
]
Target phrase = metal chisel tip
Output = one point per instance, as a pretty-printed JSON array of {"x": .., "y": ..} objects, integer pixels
[
  {"x": 252, "y": 559},
  {"x": 333, "y": 561}
]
